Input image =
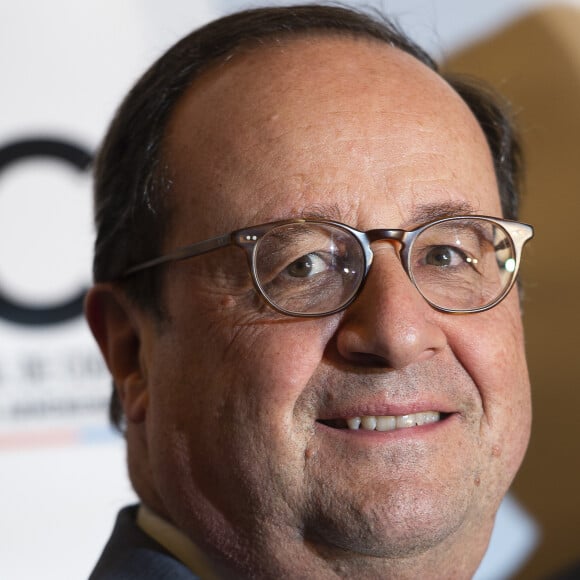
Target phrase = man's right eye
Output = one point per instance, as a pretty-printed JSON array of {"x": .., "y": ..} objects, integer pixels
[{"x": 306, "y": 266}]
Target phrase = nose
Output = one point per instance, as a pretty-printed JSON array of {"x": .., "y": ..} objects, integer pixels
[{"x": 390, "y": 324}]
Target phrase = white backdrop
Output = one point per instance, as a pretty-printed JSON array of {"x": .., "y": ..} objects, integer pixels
[{"x": 64, "y": 67}]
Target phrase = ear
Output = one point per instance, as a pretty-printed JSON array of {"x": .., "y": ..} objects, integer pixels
[{"x": 113, "y": 321}]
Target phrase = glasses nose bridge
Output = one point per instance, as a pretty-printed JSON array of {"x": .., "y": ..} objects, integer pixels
[
  {"x": 398, "y": 239},
  {"x": 395, "y": 237}
]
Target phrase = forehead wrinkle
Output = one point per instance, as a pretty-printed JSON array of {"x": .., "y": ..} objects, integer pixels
[{"x": 421, "y": 213}]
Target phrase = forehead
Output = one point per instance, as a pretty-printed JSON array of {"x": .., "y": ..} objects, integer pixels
[{"x": 328, "y": 122}]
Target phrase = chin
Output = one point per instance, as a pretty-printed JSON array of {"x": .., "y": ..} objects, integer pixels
[{"x": 404, "y": 526}]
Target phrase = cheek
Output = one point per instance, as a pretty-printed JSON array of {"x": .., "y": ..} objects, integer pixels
[
  {"x": 274, "y": 362},
  {"x": 231, "y": 392},
  {"x": 490, "y": 346},
  {"x": 231, "y": 343},
  {"x": 233, "y": 380}
]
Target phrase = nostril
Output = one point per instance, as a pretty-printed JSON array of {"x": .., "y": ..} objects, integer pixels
[{"x": 368, "y": 359}]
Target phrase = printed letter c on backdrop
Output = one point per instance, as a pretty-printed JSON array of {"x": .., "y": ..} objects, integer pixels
[{"x": 80, "y": 160}]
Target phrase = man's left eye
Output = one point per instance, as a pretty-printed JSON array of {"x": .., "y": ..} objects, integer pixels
[{"x": 443, "y": 256}]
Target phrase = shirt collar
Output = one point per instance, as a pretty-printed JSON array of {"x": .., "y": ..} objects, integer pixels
[{"x": 175, "y": 542}]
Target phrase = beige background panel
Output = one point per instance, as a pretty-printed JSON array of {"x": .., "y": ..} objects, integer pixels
[{"x": 536, "y": 63}]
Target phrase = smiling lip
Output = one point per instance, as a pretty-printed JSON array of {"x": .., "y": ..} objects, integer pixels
[{"x": 385, "y": 423}]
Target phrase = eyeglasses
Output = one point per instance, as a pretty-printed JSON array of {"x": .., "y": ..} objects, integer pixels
[{"x": 308, "y": 268}]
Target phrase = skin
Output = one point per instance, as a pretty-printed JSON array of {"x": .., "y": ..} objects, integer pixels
[{"x": 223, "y": 399}]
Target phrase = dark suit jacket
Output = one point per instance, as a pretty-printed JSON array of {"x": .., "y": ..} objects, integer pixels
[{"x": 131, "y": 554}]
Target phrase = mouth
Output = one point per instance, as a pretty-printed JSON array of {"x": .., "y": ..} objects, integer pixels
[{"x": 385, "y": 422}]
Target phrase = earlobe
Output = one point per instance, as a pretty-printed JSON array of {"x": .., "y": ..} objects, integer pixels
[{"x": 113, "y": 323}]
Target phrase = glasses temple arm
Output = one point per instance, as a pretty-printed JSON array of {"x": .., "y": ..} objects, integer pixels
[{"x": 183, "y": 253}]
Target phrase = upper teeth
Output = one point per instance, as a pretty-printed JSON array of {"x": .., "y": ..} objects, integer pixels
[{"x": 391, "y": 422}]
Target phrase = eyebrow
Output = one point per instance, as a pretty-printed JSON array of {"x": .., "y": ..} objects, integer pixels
[
  {"x": 322, "y": 211},
  {"x": 432, "y": 211},
  {"x": 420, "y": 214}
]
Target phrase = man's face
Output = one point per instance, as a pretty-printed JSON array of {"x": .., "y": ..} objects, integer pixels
[{"x": 237, "y": 393}]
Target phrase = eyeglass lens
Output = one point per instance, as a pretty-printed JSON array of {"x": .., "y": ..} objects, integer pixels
[
  {"x": 315, "y": 268},
  {"x": 462, "y": 264},
  {"x": 309, "y": 268}
]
